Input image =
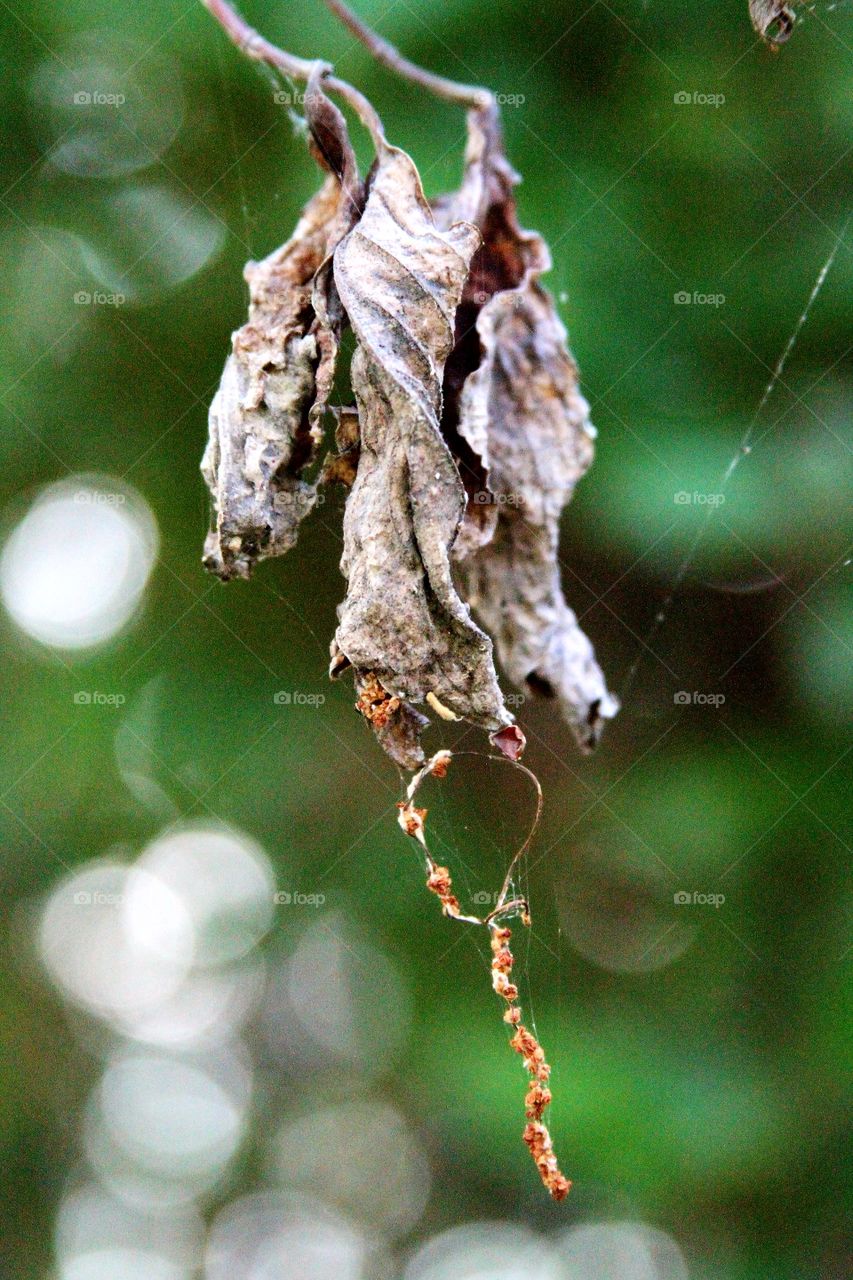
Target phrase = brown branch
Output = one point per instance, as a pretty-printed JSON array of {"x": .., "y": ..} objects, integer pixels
[
  {"x": 465, "y": 95},
  {"x": 254, "y": 46}
]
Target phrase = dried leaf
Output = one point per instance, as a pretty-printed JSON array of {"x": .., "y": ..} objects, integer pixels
[
  {"x": 341, "y": 467},
  {"x": 397, "y": 725},
  {"x": 400, "y": 280},
  {"x": 772, "y": 19},
  {"x": 264, "y": 420},
  {"x": 520, "y": 430}
]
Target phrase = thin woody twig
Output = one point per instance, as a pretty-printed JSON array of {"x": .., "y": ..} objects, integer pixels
[
  {"x": 254, "y": 46},
  {"x": 465, "y": 95}
]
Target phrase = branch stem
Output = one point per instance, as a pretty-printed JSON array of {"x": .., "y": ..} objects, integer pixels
[
  {"x": 465, "y": 95},
  {"x": 254, "y": 46}
]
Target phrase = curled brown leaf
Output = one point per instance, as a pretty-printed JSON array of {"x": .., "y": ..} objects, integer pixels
[
  {"x": 264, "y": 420},
  {"x": 772, "y": 19},
  {"x": 520, "y": 430},
  {"x": 400, "y": 280}
]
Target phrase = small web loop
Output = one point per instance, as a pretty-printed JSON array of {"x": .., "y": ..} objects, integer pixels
[{"x": 411, "y": 819}]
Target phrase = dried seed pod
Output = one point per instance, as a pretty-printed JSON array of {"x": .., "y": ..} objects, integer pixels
[
  {"x": 520, "y": 430},
  {"x": 400, "y": 280},
  {"x": 264, "y": 419},
  {"x": 772, "y": 19}
]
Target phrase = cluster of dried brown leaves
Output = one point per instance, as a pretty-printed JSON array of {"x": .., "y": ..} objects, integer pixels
[{"x": 466, "y": 441}]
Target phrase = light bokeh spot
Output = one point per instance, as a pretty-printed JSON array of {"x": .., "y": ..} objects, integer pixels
[
  {"x": 484, "y": 1250},
  {"x": 99, "y": 1238},
  {"x": 73, "y": 571},
  {"x": 617, "y": 906},
  {"x": 226, "y": 883},
  {"x": 121, "y": 1263},
  {"x": 150, "y": 239},
  {"x": 339, "y": 1007},
  {"x": 90, "y": 954},
  {"x": 170, "y": 1115},
  {"x": 284, "y": 1237},
  {"x": 339, "y": 1151},
  {"x": 621, "y": 1251},
  {"x": 106, "y": 105},
  {"x": 206, "y": 1010}
]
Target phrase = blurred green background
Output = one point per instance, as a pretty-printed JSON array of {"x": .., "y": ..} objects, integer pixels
[{"x": 699, "y": 1050}]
